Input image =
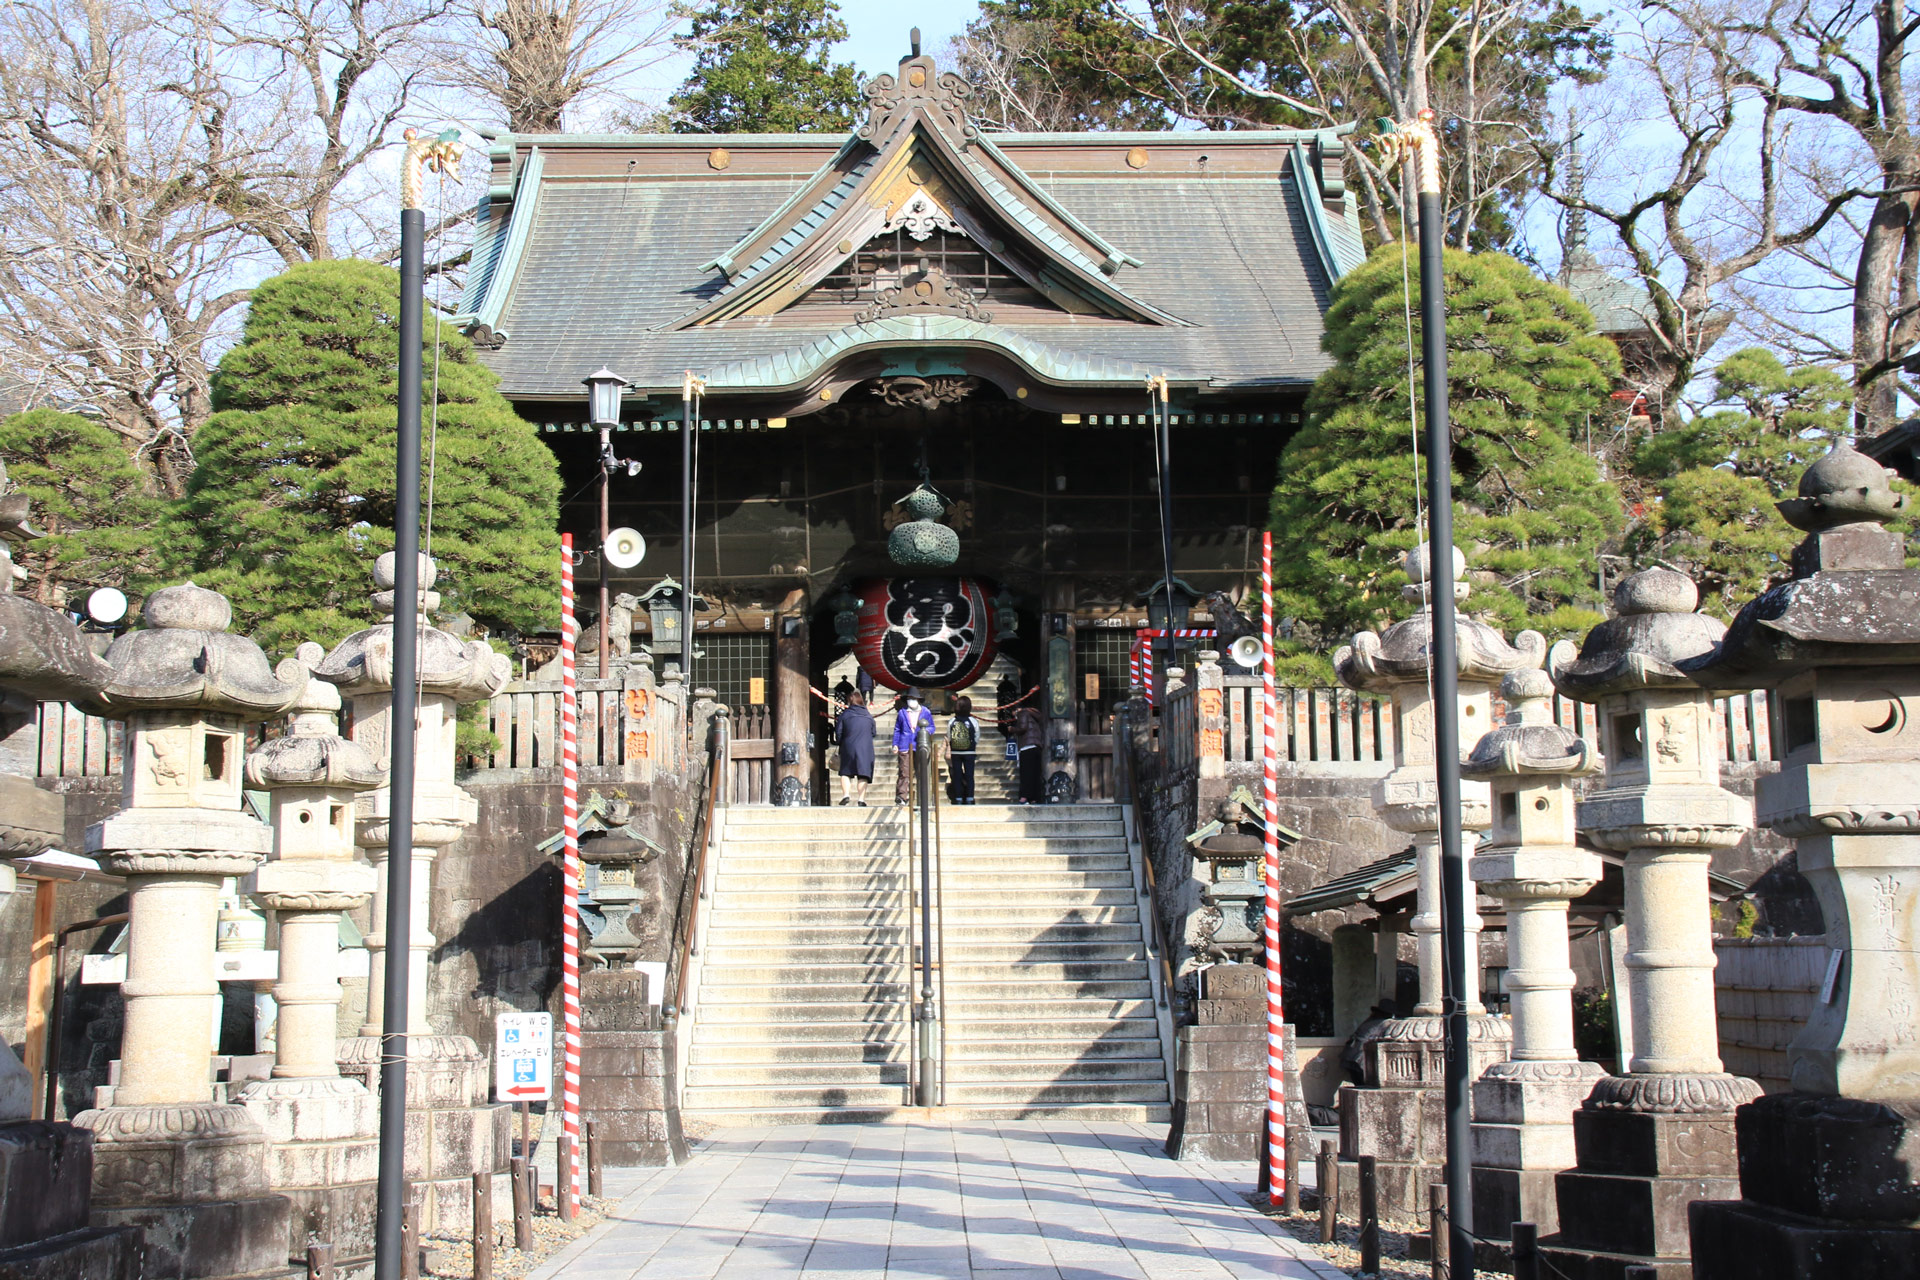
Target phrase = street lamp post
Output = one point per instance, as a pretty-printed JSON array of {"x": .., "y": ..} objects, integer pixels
[{"x": 603, "y": 409}]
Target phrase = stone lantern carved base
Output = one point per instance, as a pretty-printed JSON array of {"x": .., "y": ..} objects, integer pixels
[
  {"x": 324, "y": 1157},
  {"x": 193, "y": 1178},
  {"x": 46, "y": 1184},
  {"x": 1523, "y": 1136},
  {"x": 453, "y": 1132},
  {"x": 627, "y": 1060},
  {"x": 1648, "y": 1146},
  {"x": 1829, "y": 1186},
  {"x": 1399, "y": 1116}
]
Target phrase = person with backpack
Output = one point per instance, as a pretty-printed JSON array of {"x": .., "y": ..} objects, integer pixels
[{"x": 963, "y": 742}]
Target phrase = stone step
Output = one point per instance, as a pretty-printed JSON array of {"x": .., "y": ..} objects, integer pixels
[
  {"x": 845, "y": 1034},
  {"x": 742, "y": 816},
  {"x": 783, "y": 995},
  {"x": 888, "y": 914},
  {"x": 966, "y": 975},
  {"x": 1040, "y": 878},
  {"x": 735, "y": 903},
  {"x": 808, "y": 880},
  {"x": 967, "y": 955},
  {"x": 796, "y": 1075},
  {"x": 802, "y": 933},
  {"x": 965, "y": 936},
  {"x": 1049, "y": 1011},
  {"x": 845, "y": 1013},
  {"x": 964, "y": 915},
  {"x": 869, "y": 845},
  {"x": 1041, "y": 1072},
  {"x": 1043, "y": 1046},
  {"x": 801, "y": 975},
  {"x": 982, "y": 996},
  {"x": 1074, "y": 1093},
  {"x": 953, "y": 830},
  {"x": 839, "y": 1051},
  {"x": 817, "y": 1097},
  {"x": 997, "y": 902},
  {"x": 729, "y": 955}
]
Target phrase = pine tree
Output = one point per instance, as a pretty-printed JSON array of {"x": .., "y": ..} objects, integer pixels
[
  {"x": 1713, "y": 480},
  {"x": 1531, "y": 511},
  {"x": 292, "y": 494},
  {"x": 94, "y": 503},
  {"x": 765, "y": 66}
]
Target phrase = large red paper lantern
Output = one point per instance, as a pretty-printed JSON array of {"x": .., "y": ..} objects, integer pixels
[{"x": 928, "y": 633}]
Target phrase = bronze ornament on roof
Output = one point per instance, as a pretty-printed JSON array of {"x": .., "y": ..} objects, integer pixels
[
  {"x": 920, "y": 87},
  {"x": 927, "y": 289}
]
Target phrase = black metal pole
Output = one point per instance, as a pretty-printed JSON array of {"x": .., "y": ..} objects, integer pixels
[
  {"x": 1446, "y": 720},
  {"x": 388, "y": 1247},
  {"x": 606, "y": 633},
  {"x": 687, "y": 426},
  {"x": 1163, "y": 448},
  {"x": 923, "y": 781}
]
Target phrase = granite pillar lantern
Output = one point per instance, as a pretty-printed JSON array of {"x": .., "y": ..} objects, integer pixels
[
  {"x": 1523, "y": 1107},
  {"x": 46, "y": 1166},
  {"x": 1830, "y": 1169},
  {"x": 324, "y": 1128},
  {"x": 1396, "y": 1116},
  {"x": 190, "y": 1171},
  {"x": 452, "y": 1132},
  {"x": 1661, "y": 1135}
]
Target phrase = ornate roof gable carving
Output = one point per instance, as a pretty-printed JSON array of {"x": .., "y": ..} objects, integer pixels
[{"x": 919, "y": 163}]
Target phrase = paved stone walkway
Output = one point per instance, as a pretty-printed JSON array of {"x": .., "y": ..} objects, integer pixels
[{"x": 965, "y": 1200}]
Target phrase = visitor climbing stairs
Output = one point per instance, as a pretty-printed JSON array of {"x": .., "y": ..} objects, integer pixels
[{"x": 1047, "y": 990}]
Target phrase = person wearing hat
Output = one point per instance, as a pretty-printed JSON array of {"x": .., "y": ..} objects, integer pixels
[{"x": 912, "y": 717}]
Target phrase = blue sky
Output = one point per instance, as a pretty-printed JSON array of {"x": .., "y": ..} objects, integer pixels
[{"x": 878, "y": 38}]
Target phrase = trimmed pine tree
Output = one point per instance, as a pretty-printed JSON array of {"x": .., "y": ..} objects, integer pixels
[
  {"x": 95, "y": 504},
  {"x": 292, "y": 493},
  {"x": 1524, "y": 371}
]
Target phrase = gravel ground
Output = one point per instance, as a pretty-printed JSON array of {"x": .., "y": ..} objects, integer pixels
[
  {"x": 1344, "y": 1252},
  {"x": 451, "y": 1258}
]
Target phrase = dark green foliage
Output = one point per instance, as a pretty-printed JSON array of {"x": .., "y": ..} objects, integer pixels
[
  {"x": 1531, "y": 512},
  {"x": 292, "y": 494},
  {"x": 96, "y": 506},
  {"x": 764, "y": 67},
  {"x": 1712, "y": 481}
]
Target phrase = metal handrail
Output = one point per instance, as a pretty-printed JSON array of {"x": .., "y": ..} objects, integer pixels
[
  {"x": 939, "y": 929},
  {"x": 908, "y": 1009},
  {"x": 923, "y": 780},
  {"x": 1123, "y": 750},
  {"x": 693, "y": 890}
]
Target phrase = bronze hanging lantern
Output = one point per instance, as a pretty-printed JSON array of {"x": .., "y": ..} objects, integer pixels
[{"x": 923, "y": 542}]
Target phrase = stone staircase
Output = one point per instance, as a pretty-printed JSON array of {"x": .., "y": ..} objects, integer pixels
[{"x": 804, "y": 988}]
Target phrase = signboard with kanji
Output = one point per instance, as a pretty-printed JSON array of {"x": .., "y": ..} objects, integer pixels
[{"x": 523, "y": 1057}]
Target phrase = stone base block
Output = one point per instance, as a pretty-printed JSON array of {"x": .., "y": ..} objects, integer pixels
[
  {"x": 342, "y": 1216},
  {"x": 1740, "y": 1240},
  {"x": 324, "y": 1156},
  {"x": 211, "y": 1239},
  {"x": 46, "y": 1180},
  {"x": 91, "y": 1253},
  {"x": 624, "y": 1091},
  {"x": 1393, "y": 1124},
  {"x": 1522, "y": 1136},
  {"x": 1632, "y": 1215},
  {"x": 1692, "y": 1144},
  {"x": 1820, "y": 1156},
  {"x": 1596, "y": 1264},
  {"x": 180, "y": 1153},
  {"x": 1502, "y": 1197},
  {"x": 442, "y": 1071}
]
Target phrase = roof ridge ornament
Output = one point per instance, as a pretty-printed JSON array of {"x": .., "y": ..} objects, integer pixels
[
  {"x": 922, "y": 88},
  {"x": 927, "y": 288}
]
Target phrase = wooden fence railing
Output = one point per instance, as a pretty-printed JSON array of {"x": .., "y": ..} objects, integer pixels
[{"x": 750, "y": 755}]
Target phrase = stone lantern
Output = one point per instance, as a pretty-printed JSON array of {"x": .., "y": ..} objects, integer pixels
[
  {"x": 1523, "y": 1107},
  {"x": 324, "y": 1127},
  {"x": 167, "y": 1157},
  {"x": 1396, "y": 1117},
  {"x": 1662, "y": 1134},
  {"x": 1829, "y": 1179},
  {"x": 447, "y": 1077}
]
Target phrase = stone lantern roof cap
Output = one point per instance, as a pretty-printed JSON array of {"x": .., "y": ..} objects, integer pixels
[
  {"x": 464, "y": 670},
  {"x": 1653, "y": 631},
  {"x": 1529, "y": 743},
  {"x": 312, "y": 753},
  {"x": 1845, "y": 618},
  {"x": 1845, "y": 487},
  {"x": 1403, "y": 652},
  {"x": 43, "y": 655},
  {"x": 185, "y": 659}
]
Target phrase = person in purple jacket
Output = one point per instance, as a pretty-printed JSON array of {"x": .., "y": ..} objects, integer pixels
[{"x": 906, "y": 728}]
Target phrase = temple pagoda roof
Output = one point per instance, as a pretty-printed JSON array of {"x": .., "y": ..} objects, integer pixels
[{"x": 1206, "y": 257}]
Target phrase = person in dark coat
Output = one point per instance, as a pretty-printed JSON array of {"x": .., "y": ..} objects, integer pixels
[
  {"x": 853, "y": 730},
  {"x": 1029, "y": 735},
  {"x": 963, "y": 742}
]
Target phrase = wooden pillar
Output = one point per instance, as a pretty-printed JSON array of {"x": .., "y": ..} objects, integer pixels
[
  {"x": 40, "y": 980},
  {"x": 1057, "y": 697},
  {"x": 792, "y": 698}
]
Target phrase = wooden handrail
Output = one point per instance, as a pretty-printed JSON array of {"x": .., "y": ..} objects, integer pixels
[{"x": 693, "y": 888}]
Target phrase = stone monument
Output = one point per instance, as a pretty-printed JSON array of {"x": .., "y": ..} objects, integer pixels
[
  {"x": 452, "y": 1132},
  {"x": 324, "y": 1128},
  {"x": 1661, "y": 1135},
  {"x": 1523, "y": 1107},
  {"x": 46, "y": 1166},
  {"x": 1830, "y": 1170},
  {"x": 167, "y": 1158},
  {"x": 1397, "y": 1116}
]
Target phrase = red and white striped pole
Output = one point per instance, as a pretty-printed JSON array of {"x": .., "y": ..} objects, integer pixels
[
  {"x": 567, "y": 1181},
  {"x": 1270, "y": 813}
]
